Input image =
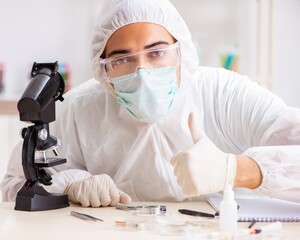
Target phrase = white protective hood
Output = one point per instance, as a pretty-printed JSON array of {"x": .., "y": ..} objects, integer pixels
[{"x": 118, "y": 13}]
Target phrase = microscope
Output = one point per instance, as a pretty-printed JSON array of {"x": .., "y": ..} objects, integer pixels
[{"x": 37, "y": 105}]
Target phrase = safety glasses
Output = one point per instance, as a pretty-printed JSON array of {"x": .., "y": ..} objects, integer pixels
[{"x": 147, "y": 59}]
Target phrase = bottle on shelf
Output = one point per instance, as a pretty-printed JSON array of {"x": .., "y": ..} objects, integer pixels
[
  {"x": 64, "y": 70},
  {"x": 1, "y": 77}
]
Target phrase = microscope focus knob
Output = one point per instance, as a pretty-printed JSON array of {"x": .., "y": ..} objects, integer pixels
[
  {"x": 43, "y": 134},
  {"x": 23, "y": 132}
]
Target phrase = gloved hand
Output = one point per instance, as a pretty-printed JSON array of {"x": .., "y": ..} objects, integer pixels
[
  {"x": 96, "y": 191},
  {"x": 203, "y": 169}
]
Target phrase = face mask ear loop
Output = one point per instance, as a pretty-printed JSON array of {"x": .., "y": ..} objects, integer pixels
[{"x": 110, "y": 88}]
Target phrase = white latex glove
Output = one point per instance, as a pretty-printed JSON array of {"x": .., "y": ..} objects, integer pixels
[
  {"x": 203, "y": 169},
  {"x": 96, "y": 191}
]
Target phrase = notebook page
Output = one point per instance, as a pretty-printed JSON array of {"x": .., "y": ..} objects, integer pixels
[{"x": 262, "y": 209}]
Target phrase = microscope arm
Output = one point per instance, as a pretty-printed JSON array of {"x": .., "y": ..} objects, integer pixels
[{"x": 28, "y": 152}]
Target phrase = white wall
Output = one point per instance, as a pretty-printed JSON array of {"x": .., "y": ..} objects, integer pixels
[
  {"x": 45, "y": 31},
  {"x": 287, "y": 51},
  {"x": 217, "y": 25}
]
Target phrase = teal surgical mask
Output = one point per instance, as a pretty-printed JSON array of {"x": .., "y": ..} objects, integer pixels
[{"x": 147, "y": 94}]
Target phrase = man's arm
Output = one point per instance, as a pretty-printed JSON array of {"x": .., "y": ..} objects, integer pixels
[{"x": 248, "y": 173}]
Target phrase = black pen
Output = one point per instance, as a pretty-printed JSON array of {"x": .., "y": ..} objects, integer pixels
[
  {"x": 196, "y": 213},
  {"x": 252, "y": 224}
]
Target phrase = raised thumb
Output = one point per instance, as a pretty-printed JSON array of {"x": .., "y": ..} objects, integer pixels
[{"x": 195, "y": 130}]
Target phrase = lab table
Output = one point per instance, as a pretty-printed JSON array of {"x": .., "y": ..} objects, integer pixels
[{"x": 119, "y": 224}]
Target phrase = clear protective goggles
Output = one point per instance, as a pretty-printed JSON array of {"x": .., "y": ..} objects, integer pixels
[{"x": 157, "y": 57}]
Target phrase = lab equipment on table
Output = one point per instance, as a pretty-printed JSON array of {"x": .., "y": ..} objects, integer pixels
[
  {"x": 228, "y": 211},
  {"x": 37, "y": 105},
  {"x": 84, "y": 216},
  {"x": 143, "y": 209},
  {"x": 271, "y": 227},
  {"x": 198, "y": 214},
  {"x": 252, "y": 224}
]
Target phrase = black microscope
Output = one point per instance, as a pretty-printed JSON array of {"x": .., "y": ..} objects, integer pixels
[{"x": 37, "y": 105}]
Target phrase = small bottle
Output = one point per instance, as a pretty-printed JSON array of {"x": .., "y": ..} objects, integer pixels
[
  {"x": 228, "y": 211},
  {"x": 1, "y": 77},
  {"x": 64, "y": 70}
]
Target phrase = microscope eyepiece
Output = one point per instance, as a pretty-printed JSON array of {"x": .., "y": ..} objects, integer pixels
[{"x": 45, "y": 87}]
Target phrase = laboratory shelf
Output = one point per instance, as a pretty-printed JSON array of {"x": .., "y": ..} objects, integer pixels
[{"x": 8, "y": 105}]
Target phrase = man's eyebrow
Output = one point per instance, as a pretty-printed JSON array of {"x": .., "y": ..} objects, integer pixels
[
  {"x": 124, "y": 51},
  {"x": 155, "y": 44},
  {"x": 118, "y": 51}
]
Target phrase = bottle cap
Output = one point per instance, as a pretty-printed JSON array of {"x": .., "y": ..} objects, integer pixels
[{"x": 228, "y": 193}]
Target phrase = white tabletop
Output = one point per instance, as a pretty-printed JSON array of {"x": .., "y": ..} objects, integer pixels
[{"x": 59, "y": 224}]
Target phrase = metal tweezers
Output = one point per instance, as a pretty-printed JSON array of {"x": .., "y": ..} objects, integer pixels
[{"x": 85, "y": 217}]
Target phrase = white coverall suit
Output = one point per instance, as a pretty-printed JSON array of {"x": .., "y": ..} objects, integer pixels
[{"x": 99, "y": 136}]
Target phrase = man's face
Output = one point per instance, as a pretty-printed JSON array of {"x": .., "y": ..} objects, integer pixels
[{"x": 137, "y": 37}]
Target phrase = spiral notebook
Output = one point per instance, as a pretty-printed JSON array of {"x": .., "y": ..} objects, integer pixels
[{"x": 262, "y": 209}]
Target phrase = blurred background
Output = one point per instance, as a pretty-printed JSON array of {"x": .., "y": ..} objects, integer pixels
[{"x": 258, "y": 38}]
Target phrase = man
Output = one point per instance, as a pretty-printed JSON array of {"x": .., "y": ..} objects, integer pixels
[{"x": 153, "y": 125}]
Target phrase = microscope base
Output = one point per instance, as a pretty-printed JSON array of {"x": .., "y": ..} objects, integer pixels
[{"x": 36, "y": 198}]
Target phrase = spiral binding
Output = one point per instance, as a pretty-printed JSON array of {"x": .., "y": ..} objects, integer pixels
[{"x": 271, "y": 219}]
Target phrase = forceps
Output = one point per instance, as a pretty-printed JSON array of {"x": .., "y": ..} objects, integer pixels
[{"x": 85, "y": 217}]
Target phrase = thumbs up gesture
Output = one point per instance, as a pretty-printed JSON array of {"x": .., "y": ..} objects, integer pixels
[{"x": 203, "y": 169}]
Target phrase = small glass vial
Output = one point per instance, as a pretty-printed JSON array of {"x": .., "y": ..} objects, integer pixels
[
  {"x": 228, "y": 212},
  {"x": 1, "y": 77}
]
